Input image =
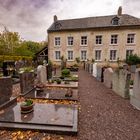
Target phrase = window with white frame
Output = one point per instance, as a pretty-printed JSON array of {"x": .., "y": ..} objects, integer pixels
[
  {"x": 70, "y": 55},
  {"x": 70, "y": 41},
  {"x": 128, "y": 53},
  {"x": 57, "y": 41},
  {"x": 98, "y": 39},
  {"x": 83, "y": 55},
  {"x": 57, "y": 55},
  {"x": 98, "y": 55},
  {"x": 83, "y": 40},
  {"x": 114, "y": 39},
  {"x": 113, "y": 55},
  {"x": 131, "y": 38}
]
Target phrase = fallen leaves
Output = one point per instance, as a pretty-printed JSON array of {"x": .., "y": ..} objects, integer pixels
[{"x": 53, "y": 101}]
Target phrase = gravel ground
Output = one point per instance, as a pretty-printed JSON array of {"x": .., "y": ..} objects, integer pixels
[{"x": 103, "y": 115}]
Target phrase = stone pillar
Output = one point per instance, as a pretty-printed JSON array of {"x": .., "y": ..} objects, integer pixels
[
  {"x": 5, "y": 89},
  {"x": 135, "y": 97}
]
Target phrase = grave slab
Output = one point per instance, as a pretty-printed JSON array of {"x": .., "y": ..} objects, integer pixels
[
  {"x": 49, "y": 117},
  {"x": 62, "y": 85},
  {"x": 52, "y": 94}
]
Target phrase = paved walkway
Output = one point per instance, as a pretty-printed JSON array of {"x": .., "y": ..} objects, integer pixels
[{"x": 105, "y": 115}]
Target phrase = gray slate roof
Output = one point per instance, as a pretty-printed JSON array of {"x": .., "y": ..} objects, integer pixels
[{"x": 93, "y": 22}]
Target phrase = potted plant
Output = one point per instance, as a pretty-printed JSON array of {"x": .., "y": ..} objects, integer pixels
[
  {"x": 27, "y": 106},
  {"x": 58, "y": 81}
]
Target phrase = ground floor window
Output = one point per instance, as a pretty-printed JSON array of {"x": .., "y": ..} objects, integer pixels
[
  {"x": 83, "y": 55},
  {"x": 98, "y": 55},
  {"x": 70, "y": 55},
  {"x": 128, "y": 53},
  {"x": 113, "y": 55},
  {"x": 57, "y": 55}
]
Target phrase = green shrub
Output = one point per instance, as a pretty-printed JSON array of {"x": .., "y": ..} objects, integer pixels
[
  {"x": 58, "y": 81},
  {"x": 26, "y": 69},
  {"x": 131, "y": 82},
  {"x": 133, "y": 60},
  {"x": 65, "y": 73}
]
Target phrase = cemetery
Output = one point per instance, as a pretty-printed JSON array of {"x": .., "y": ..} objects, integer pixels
[
  {"x": 53, "y": 105},
  {"x": 41, "y": 104}
]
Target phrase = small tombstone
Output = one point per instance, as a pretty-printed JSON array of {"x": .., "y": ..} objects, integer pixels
[
  {"x": 120, "y": 82},
  {"x": 94, "y": 70},
  {"x": 133, "y": 68},
  {"x": 135, "y": 98},
  {"x": 41, "y": 74},
  {"x": 108, "y": 75},
  {"x": 5, "y": 89}
]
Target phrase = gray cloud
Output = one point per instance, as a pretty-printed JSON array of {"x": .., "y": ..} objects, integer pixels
[
  {"x": 132, "y": 7},
  {"x": 32, "y": 18}
]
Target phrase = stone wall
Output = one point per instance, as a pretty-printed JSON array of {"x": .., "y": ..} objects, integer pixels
[
  {"x": 5, "y": 89},
  {"x": 120, "y": 82},
  {"x": 135, "y": 98},
  {"x": 108, "y": 77}
]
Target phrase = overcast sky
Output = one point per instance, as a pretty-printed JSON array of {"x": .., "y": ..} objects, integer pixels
[{"x": 32, "y": 18}]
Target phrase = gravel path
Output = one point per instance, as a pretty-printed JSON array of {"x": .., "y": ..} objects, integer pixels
[{"x": 103, "y": 115}]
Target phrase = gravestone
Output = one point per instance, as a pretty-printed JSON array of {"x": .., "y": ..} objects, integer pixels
[
  {"x": 26, "y": 81},
  {"x": 135, "y": 97},
  {"x": 90, "y": 68},
  {"x": 133, "y": 68},
  {"x": 120, "y": 83},
  {"x": 99, "y": 73},
  {"x": 94, "y": 70},
  {"x": 108, "y": 75},
  {"x": 5, "y": 89},
  {"x": 41, "y": 74}
]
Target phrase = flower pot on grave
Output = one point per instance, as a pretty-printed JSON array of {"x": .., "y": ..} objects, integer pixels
[{"x": 27, "y": 106}]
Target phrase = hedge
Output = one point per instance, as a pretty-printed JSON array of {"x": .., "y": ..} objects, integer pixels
[{"x": 14, "y": 58}]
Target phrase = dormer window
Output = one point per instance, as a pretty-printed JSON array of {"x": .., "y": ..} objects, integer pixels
[{"x": 115, "y": 21}]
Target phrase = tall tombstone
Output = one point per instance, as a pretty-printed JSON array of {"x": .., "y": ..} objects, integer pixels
[
  {"x": 108, "y": 77},
  {"x": 135, "y": 98},
  {"x": 90, "y": 68},
  {"x": 99, "y": 73},
  {"x": 94, "y": 70},
  {"x": 5, "y": 89},
  {"x": 26, "y": 81},
  {"x": 41, "y": 74},
  {"x": 120, "y": 83}
]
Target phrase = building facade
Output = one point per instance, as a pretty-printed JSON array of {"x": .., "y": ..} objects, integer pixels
[{"x": 102, "y": 39}]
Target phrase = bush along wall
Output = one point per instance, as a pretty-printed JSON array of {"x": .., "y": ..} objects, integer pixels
[{"x": 14, "y": 58}]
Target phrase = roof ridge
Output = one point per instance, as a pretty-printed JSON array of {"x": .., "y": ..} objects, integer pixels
[{"x": 93, "y": 17}]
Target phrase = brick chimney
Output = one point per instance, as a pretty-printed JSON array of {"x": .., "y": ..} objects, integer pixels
[
  {"x": 120, "y": 11},
  {"x": 55, "y": 18}
]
